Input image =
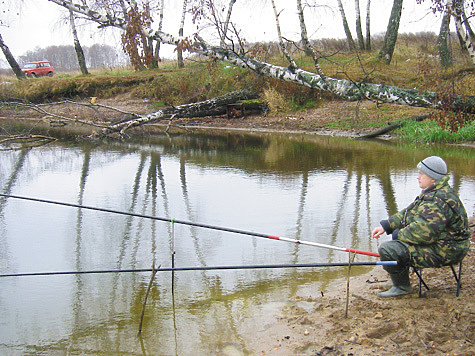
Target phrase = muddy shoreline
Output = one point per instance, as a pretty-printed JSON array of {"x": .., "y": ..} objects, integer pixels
[{"x": 438, "y": 323}]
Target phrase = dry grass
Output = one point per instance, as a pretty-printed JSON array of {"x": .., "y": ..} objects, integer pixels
[{"x": 415, "y": 65}]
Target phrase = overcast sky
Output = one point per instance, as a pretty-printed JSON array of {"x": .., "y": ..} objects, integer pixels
[{"x": 41, "y": 23}]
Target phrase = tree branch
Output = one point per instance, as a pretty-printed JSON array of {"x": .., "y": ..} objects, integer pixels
[
  {"x": 342, "y": 88},
  {"x": 215, "y": 106}
]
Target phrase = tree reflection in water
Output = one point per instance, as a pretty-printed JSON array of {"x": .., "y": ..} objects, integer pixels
[{"x": 323, "y": 189}]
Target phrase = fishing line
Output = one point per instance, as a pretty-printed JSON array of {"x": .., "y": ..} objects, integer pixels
[
  {"x": 206, "y": 226},
  {"x": 208, "y": 268}
]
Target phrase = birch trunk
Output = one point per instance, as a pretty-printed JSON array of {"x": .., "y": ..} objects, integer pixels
[
  {"x": 368, "y": 27},
  {"x": 457, "y": 14},
  {"x": 349, "y": 37},
  {"x": 442, "y": 40},
  {"x": 359, "y": 32},
  {"x": 11, "y": 60},
  {"x": 468, "y": 28},
  {"x": 293, "y": 65},
  {"x": 390, "y": 38},
  {"x": 347, "y": 90},
  {"x": 303, "y": 30},
  {"x": 215, "y": 106},
  {"x": 77, "y": 45},
  {"x": 160, "y": 25},
  {"x": 179, "y": 49},
  {"x": 226, "y": 22},
  {"x": 309, "y": 51}
]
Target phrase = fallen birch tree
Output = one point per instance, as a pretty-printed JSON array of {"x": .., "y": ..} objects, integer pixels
[
  {"x": 104, "y": 127},
  {"x": 210, "y": 107},
  {"x": 342, "y": 88}
]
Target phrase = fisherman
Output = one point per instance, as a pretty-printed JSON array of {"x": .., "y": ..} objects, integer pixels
[{"x": 430, "y": 232}]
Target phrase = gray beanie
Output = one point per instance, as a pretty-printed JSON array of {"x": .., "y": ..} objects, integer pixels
[{"x": 433, "y": 166}]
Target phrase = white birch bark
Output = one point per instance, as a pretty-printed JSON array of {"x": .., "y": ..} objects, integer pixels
[
  {"x": 160, "y": 25},
  {"x": 305, "y": 41},
  {"x": 368, "y": 25},
  {"x": 77, "y": 45},
  {"x": 359, "y": 32},
  {"x": 392, "y": 31},
  {"x": 349, "y": 37},
  {"x": 293, "y": 65},
  {"x": 179, "y": 50},
  {"x": 457, "y": 14},
  {"x": 226, "y": 22},
  {"x": 345, "y": 89},
  {"x": 214, "y": 106},
  {"x": 303, "y": 29},
  {"x": 11, "y": 60}
]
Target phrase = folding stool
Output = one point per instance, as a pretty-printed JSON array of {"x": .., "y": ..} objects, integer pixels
[{"x": 457, "y": 276}]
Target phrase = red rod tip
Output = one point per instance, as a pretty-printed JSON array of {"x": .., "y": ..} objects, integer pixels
[{"x": 362, "y": 252}]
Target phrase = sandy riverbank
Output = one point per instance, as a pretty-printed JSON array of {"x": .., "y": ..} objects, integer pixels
[{"x": 438, "y": 323}]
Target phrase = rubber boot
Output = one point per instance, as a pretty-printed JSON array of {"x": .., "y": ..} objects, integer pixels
[{"x": 401, "y": 285}]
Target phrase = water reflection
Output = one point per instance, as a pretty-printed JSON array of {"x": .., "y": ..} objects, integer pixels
[{"x": 321, "y": 189}]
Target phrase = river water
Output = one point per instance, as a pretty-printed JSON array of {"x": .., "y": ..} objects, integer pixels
[{"x": 322, "y": 189}]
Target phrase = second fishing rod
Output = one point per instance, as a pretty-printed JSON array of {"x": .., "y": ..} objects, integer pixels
[{"x": 195, "y": 224}]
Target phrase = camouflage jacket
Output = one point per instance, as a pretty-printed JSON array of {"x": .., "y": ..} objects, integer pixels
[{"x": 434, "y": 227}]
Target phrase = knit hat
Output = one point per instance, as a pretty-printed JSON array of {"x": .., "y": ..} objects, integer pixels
[{"x": 433, "y": 166}]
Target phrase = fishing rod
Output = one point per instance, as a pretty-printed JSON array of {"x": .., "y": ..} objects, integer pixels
[
  {"x": 204, "y": 268},
  {"x": 189, "y": 223}
]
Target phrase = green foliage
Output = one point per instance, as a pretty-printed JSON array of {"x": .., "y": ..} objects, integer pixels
[{"x": 430, "y": 131}]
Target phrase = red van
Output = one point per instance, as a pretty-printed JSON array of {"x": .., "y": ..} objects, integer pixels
[{"x": 38, "y": 69}]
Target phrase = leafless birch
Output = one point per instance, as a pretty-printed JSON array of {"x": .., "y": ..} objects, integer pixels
[
  {"x": 77, "y": 44},
  {"x": 359, "y": 32},
  {"x": 343, "y": 88},
  {"x": 179, "y": 49},
  {"x": 349, "y": 37},
  {"x": 368, "y": 25},
  {"x": 293, "y": 65}
]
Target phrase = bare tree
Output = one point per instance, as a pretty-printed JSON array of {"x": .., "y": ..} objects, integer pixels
[
  {"x": 387, "y": 51},
  {"x": 7, "y": 9},
  {"x": 359, "y": 32},
  {"x": 349, "y": 37},
  {"x": 179, "y": 49},
  {"x": 458, "y": 14},
  {"x": 442, "y": 40},
  {"x": 160, "y": 26},
  {"x": 368, "y": 27},
  {"x": 308, "y": 49},
  {"x": 303, "y": 30},
  {"x": 457, "y": 11},
  {"x": 226, "y": 22},
  {"x": 77, "y": 45},
  {"x": 292, "y": 65},
  {"x": 11, "y": 60},
  {"x": 212, "y": 11},
  {"x": 346, "y": 89},
  {"x": 102, "y": 56}
]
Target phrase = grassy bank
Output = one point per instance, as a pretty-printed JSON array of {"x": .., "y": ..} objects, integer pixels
[{"x": 414, "y": 66}]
